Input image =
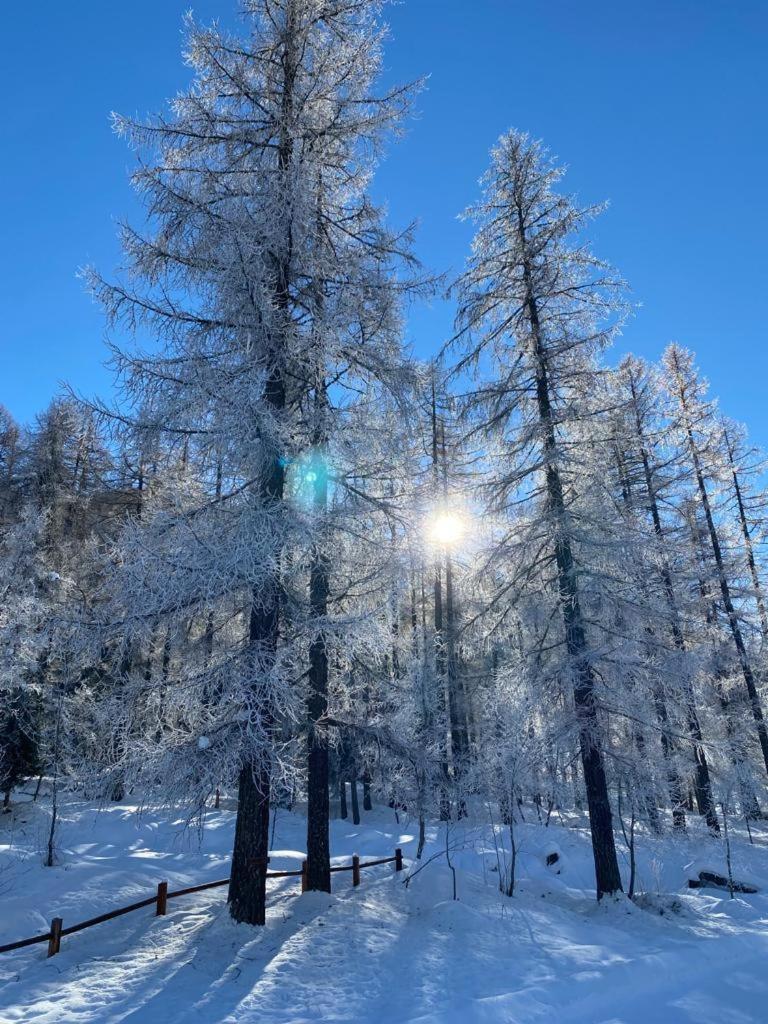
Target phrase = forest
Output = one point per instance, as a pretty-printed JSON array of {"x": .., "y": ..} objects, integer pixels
[{"x": 290, "y": 569}]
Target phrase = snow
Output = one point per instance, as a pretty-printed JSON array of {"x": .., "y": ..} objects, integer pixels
[{"x": 381, "y": 952}]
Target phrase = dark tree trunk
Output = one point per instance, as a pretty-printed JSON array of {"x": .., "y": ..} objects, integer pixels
[
  {"x": 343, "y": 813},
  {"x": 51, "y": 854},
  {"x": 248, "y": 879},
  {"x": 355, "y": 804},
  {"x": 247, "y": 886},
  {"x": 317, "y": 844},
  {"x": 607, "y": 875},
  {"x": 367, "y": 803},
  {"x": 318, "y": 798}
]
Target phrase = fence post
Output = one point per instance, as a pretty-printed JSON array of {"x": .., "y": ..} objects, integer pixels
[
  {"x": 304, "y": 879},
  {"x": 398, "y": 859},
  {"x": 162, "y": 899},
  {"x": 54, "y": 942},
  {"x": 355, "y": 869}
]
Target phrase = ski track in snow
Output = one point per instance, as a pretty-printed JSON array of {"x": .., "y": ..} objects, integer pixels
[{"x": 379, "y": 953}]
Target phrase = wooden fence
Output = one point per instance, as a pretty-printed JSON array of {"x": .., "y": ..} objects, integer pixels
[{"x": 160, "y": 901}]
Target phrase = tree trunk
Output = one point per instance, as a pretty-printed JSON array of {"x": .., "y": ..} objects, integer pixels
[
  {"x": 248, "y": 879},
  {"x": 607, "y": 875},
  {"x": 51, "y": 854},
  {"x": 355, "y": 804},
  {"x": 248, "y": 884},
  {"x": 343, "y": 813},
  {"x": 318, "y": 798}
]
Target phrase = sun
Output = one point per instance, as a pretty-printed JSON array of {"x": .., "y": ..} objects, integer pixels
[{"x": 446, "y": 528}]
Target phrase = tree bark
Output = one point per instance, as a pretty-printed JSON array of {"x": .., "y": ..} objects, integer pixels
[
  {"x": 318, "y": 801},
  {"x": 343, "y": 812},
  {"x": 247, "y": 886},
  {"x": 355, "y": 802},
  {"x": 607, "y": 875},
  {"x": 248, "y": 880}
]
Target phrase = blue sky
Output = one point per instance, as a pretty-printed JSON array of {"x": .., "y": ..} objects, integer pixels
[{"x": 656, "y": 105}]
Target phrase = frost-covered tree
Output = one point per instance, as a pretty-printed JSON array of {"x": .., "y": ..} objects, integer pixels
[
  {"x": 267, "y": 277},
  {"x": 695, "y": 421},
  {"x": 537, "y": 306},
  {"x": 24, "y": 611},
  {"x": 10, "y": 451},
  {"x": 745, "y": 472},
  {"x": 650, "y": 471}
]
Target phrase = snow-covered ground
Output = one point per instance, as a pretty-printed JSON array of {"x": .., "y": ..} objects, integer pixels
[{"x": 382, "y": 952}]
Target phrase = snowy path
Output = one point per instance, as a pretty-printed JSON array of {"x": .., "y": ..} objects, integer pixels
[{"x": 381, "y": 953}]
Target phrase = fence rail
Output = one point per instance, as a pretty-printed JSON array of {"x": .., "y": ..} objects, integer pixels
[{"x": 160, "y": 901}]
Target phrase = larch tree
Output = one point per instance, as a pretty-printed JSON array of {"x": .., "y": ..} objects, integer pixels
[
  {"x": 268, "y": 280},
  {"x": 695, "y": 421},
  {"x": 656, "y": 471},
  {"x": 538, "y": 306}
]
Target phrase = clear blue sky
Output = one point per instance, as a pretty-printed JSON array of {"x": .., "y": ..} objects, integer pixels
[{"x": 657, "y": 105}]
